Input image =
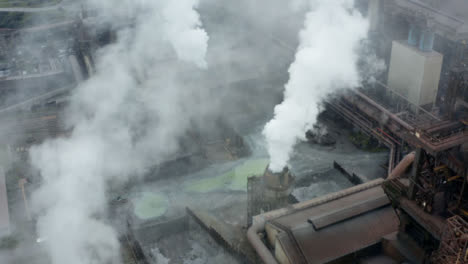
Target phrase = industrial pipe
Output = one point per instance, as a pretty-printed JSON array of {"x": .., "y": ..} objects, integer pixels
[
  {"x": 260, "y": 220},
  {"x": 402, "y": 166},
  {"x": 405, "y": 99},
  {"x": 382, "y": 109},
  {"x": 391, "y": 160},
  {"x": 259, "y": 246}
]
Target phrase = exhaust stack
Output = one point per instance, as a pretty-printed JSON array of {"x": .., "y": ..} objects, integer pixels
[{"x": 278, "y": 185}]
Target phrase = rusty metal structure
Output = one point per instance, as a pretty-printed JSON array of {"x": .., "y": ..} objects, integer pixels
[
  {"x": 430, "y": 199},
  {"x": 294, "y": 232},
  {"x": 423, "y": 121},
  {"x": 454, "y": 243}
]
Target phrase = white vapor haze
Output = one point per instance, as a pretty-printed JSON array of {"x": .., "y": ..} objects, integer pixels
[
  {"x": 326, "y": 60},
  {"x": 123, "y": 121}
]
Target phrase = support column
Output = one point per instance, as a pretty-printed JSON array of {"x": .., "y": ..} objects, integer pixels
[
  {"x": 415, "y": 173},
  {"x": 373, "y": 12}
]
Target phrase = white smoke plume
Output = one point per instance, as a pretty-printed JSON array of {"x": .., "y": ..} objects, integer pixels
[
  {"x": 326, "y": 60},
  {"x": 123, "y": 121}
]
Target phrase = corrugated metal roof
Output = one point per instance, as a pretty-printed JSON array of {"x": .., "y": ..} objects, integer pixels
[
  {"x": 353, "y": 210},
  {"x": 304, "y": 244}
]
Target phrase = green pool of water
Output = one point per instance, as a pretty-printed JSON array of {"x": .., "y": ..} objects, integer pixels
[
  {"x": 235, "y": 179},
  {"x": 150, "y": 205}
]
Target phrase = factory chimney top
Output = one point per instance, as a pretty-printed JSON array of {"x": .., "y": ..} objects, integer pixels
[{"x": 278, "y": 181}]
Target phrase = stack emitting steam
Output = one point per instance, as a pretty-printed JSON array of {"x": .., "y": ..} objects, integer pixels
[
  {"x": 326, "y": 60},
  {"x": 123, "y": 122}
]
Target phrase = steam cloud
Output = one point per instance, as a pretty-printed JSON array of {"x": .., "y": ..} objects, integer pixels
[
  {"x": 326, "y": 60},
  {"x": 123, "y": 122}
]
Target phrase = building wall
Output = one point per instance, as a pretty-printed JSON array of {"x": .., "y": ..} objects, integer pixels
[
  {"x": 406, "y": 70},
  {"x": 431, "y": 78},
  {"x": 414, "y": 74}
]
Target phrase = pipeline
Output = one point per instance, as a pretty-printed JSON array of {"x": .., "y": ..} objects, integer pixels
[
  {"x": 388, "y": 136},
  {"x": 383, "y": 110},
  {"x": 260, "y": 248},
  {"x": 402, "y": 166},
  {"x": 391, "y": 160},
  {"x": 260, "y": 220}
]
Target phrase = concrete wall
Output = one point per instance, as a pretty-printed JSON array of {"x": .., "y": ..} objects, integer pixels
[
  {"x": 414, "y": 74},
  {"x": 152, "y": 231}
]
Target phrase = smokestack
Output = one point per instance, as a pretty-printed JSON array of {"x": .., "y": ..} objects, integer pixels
[
  {"x": 326, "y": 61},
  {"x": 278, "y": 184}
]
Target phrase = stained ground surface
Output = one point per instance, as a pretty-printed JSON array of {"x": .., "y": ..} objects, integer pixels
[{"x": 221, "y": 188}]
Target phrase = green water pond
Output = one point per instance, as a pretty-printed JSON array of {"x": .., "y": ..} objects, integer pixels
[
  {"x": 234, "y": 180},
  {"x": 150, "y": 205}
]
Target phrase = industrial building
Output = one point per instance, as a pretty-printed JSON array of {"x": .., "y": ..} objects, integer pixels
[
  {"x": 416, "y": 214},
  {"x": 215, "y": 200}
]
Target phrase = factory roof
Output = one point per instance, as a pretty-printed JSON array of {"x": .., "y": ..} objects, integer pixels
[
  {"x": 335, "y": 229},
  {"x": 448, "y": 17}
]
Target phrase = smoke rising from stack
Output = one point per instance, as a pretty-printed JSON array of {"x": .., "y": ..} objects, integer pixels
[
  {"x": 325, "y": 61},
  {"x": 123, "y": 121}
]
